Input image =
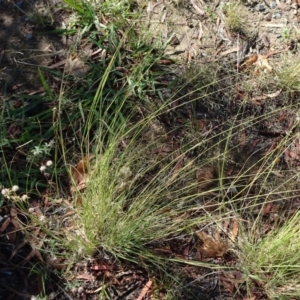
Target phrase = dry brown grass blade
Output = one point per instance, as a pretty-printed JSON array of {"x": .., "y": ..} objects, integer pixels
[
  {"x": 200, "y": 11},
  {"x": 5, "y": 225},
  {"x": 33, "y": 253},
  {"x": 23, "y": 295},
  {"x": 21, "y": 245}
]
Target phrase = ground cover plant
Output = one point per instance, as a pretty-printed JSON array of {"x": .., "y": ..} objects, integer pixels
[{"x": 131, "y": 175}]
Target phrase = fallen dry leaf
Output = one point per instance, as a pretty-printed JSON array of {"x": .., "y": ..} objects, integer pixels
[
  {"x": 211, "y": 247},
  {"x": 267, "y": 208},
  {"x": 76, "y": 67},
  {"x": 206, "y": 177},
  {"x": 235, "y": 229},
  {"x": 80, "y": 173},
  {"x": 266, "y": 96},
  {"x": 250, "y": 61},
  {"x": 262, "y": 64}
]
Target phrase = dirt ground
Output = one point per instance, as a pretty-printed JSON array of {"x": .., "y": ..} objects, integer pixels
[
  {"x": 194, "y": 34},
  {"x": 197, "y": 33}
]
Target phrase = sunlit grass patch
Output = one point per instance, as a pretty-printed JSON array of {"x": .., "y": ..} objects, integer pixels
[
  {"x": 233, "y": 19},
  {"x": 273, "y": 259},
  {"x": 287, "y": 73}
]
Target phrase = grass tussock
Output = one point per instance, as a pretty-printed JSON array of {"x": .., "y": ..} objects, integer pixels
[
  {"x": 233, "y": 19},
  {"x": 273, "y": 259},
  {"x": 176, "y": 158}
]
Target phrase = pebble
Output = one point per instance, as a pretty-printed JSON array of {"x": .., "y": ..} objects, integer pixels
[
  {"x": 278, "y": 36},
  {"x": 276, "y": 15},
  {"x": 19, "y": 3},
  {"x": 295, "y": 11},
  {"x": 273, "y": 4},
  {"x": 268, "y": 17},
  {"x": 261, "y": 7},
  {"x": 251, "y": 3},
  {"x": 266, "y": 12},
  {"x": 52, "y": 296},
  {"x": 28, "y": 36}
]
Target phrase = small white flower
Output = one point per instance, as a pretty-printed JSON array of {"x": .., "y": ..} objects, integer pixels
[
  {"x": 125, "y": 172},
  {"x": 24, "y": 197},
  {"x": 15, "y": 188},
  {"x": 49, "y": 163},
  {"x": 42, "y": 219},
  {"x": 31, "y": 210},
  {"x": 5, "y": 192},
  {"x": 43, "y": 168},
  {"x": 51, "y": 144}
]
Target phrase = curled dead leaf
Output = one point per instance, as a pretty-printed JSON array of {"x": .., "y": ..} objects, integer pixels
[
  {"x": 250, "y": 61},
  {"x": 211, "y": 247},
  {"x": 80, "y": 174}
]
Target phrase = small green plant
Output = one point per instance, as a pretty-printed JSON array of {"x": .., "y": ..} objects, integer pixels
[
  {"x": 211, "y": 14},
  {"x": 286, "y": 34},
  {"x": 42, "y": 150}
]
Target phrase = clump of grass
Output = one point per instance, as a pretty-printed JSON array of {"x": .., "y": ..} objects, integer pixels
[
  {"x": 136, "y": 198},
  {"x": 287, "y": 75},
  {"x": 273, "y": 260},
  {"x": 232, "y": 12}
]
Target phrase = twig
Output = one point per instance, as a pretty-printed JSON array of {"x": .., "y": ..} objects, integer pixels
[
  {"x": 197, "y": 8},
  {"x": 279, "y": 51},
  {"x": 272, "y": 25},
  {"x": 234, "y": 49},
  {"x": 200, "y": 31}
]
